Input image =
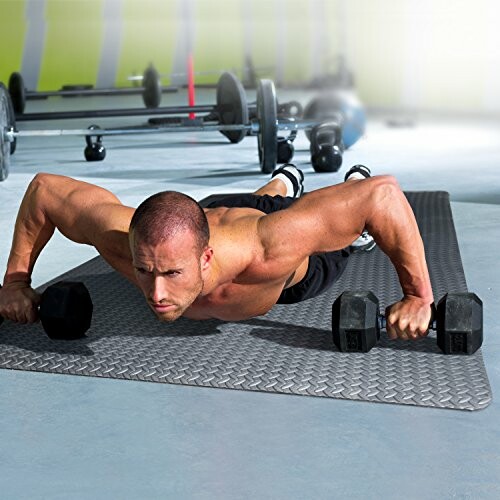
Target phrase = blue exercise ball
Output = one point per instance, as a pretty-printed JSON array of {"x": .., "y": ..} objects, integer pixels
[{"x": 341, "y": 105}]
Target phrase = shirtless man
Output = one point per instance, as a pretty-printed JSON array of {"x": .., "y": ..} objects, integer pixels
[{"x": 233, "y": 260}]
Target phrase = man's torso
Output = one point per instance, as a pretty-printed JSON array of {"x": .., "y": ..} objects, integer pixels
[{"x": 249, "y": 284}]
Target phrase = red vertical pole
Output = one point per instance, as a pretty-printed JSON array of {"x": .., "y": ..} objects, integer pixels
[{"x": 191, "y": 96}]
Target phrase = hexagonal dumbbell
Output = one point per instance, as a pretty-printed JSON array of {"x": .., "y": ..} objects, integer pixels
[
  {"x": 356, "y": 322},
  {"x": 459, "y": 323},
  {"x": 65, "y": 310}
]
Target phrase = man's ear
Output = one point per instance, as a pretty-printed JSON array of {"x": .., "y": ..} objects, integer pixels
[{"x": 206, "y": 258}]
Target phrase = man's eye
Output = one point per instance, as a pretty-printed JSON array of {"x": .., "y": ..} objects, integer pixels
[
  {"x": 172, "y": 273},
  {"x": 140, "y": 270}
]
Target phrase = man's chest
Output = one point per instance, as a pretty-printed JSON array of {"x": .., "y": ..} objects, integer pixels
[{"x": 234, "y": 301}]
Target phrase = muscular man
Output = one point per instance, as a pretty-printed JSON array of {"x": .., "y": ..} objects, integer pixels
[{"x": 233, "y": 260}]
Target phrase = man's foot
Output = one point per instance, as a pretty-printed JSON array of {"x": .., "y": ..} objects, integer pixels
[
  {"x": 365, "y": 242},
  {"x": 293, "y": 179},
  {"x": 358, "y": 172}
]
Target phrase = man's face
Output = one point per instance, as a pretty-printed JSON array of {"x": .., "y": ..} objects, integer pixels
[{"x": 169, "y": 274}]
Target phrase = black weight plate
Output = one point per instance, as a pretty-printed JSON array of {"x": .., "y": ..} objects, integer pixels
[
  {"x": 267, "y": 115},
  {"x": 232, "y": 106},
  {"x": 11, "y": 120},
  {"x": 4, "y": 144},
  {"x": 17, "y": 92},
  {"x": 151, "y": 95}
]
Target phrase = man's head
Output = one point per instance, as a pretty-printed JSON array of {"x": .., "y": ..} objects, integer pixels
[{"x": 169, "y": 237}]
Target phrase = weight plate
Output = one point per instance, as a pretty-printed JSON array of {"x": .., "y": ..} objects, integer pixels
[
  {"x": 11, "y": 119},
  {"x": 17, "y": 92},
  {"x": 4, "y": 143},
  {"x": 232, "y": 106},
  {"x": 267, "y": 115},
  {"x": 151, "y": 94}
]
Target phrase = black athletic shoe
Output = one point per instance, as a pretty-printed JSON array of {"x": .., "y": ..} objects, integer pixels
[{"x": 292, "y": 177}]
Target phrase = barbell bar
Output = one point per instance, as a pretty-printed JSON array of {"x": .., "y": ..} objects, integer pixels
[
  {"x": 254, "y": 128},
  {"x": 151, "y": 91},
  {"x": 109, "y": 113}
]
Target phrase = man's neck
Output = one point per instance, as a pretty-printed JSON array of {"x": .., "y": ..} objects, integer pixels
[{"x": 213, "y": 278}]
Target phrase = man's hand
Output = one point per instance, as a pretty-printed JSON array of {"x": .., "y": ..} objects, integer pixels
[
  {"x": 19, "y": 303},
  {"x": 408, "y": 319}
]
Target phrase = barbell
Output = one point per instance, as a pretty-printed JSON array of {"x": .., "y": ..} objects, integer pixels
[
  {"x": 151, "y": 91},
  {"x": 265, "y": 126},
  {"x": 231, "y": 107}
]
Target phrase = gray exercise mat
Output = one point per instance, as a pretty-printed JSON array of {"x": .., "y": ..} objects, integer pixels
[{"x": 289, "y": 350}]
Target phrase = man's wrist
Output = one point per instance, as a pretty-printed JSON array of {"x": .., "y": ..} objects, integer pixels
[
  {"x": 424, "y": 298},
  {"x": 17, "y": 278}
]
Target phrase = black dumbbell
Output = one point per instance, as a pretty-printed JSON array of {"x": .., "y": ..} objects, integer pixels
[
  {"x": 326, "y": 147},
  {"x": 65, "y": 310},
  {"x": 356, "y": 322}
]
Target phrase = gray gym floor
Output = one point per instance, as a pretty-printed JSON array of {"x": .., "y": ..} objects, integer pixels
[{"x": 68, "y": 437}]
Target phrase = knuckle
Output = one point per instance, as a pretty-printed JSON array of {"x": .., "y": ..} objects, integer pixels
[{"x": 422, "y": 331}]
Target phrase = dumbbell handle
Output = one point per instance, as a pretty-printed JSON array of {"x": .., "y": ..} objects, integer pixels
[{"x": 382, "y": 323}]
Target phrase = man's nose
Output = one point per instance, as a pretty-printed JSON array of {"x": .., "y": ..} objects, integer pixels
[{"x": 158, "y": 290}]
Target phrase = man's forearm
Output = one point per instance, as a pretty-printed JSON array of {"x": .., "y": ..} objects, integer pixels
[
  {"x": 33, "y": 229},
  {"x": 395, "y": 230}
]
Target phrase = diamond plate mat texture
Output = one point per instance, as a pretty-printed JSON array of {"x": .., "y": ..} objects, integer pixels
[{"x": 289, "y": 350}]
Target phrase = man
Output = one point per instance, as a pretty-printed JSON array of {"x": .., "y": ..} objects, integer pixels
[{"x": 234, "y": 259}]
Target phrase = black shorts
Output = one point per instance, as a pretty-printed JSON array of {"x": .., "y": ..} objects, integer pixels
[{"x": 323, "y": 269}]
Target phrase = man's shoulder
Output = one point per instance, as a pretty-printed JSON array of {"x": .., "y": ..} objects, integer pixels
[{"x": 229, "y": 216}]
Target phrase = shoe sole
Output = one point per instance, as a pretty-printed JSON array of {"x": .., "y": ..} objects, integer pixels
[{"x": 363, "y": 248}]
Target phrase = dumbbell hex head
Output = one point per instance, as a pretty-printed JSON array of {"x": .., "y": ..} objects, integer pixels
[
  {"x": 66, "y": 310},
  {"x": 459, "y": 321},
  {"x": 355, "y": 324}
]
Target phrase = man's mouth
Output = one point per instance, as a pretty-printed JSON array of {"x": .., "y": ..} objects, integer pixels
[{"x": 163, "y": 308}]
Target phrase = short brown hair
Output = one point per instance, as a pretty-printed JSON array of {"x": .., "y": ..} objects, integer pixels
[{"x": 162, "y": 215}]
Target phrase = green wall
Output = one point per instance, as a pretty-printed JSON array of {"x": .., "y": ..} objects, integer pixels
[
  {"x": 218, "y": 43},
  {"x": 12, "y": 33},
  {"x": 264, "y": 38},
  {"x": 376, "y": 44},
  {"x": 150, "y": 31},
  {"x": 73, "y": 43},
  {"x": 440, "y": 52}
]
